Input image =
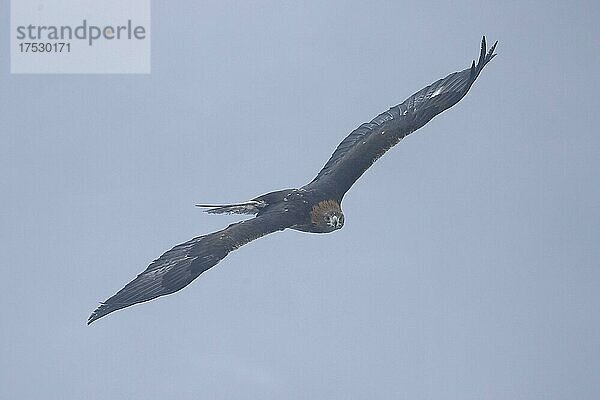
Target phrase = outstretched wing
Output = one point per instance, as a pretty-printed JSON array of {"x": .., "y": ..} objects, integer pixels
[
  {"x": 359, "y": 150},
  {"x": 185, "y": 262}
]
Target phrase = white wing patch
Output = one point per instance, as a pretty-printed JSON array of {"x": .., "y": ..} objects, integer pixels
[{"x": 437, "y": 92}]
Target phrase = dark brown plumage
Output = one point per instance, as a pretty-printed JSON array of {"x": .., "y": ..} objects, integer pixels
[{"x": 315, "y": 207}]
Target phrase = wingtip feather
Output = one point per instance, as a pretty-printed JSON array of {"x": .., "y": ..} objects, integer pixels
[
  {"x": 491, "y": 52},
  {"x": 97, "y": 314},
  {"x": 485, "y": 56}
]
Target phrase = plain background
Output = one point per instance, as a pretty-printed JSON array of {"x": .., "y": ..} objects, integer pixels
[{"x": 468, "y": 266}]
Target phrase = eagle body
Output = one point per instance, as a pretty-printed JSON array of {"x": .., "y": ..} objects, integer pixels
[
  {"x": 320, "y": 213},
  {"x": 314, "y": 211},
  {"x": 314, "y": 207}
]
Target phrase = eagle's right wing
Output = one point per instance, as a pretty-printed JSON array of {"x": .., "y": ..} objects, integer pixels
[
  {"x": 359, "y": 150},
  {"x": 185, "y": 262}
]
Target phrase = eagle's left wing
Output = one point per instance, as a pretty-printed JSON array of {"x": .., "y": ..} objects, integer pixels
[
  {"x": 359, "y": 150},
  {"x": 182, "y": 264}
]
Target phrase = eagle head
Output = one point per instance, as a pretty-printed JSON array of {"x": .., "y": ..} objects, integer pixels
[{"x": 327, "y": 216}]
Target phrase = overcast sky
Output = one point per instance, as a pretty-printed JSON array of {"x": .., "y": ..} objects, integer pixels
[{"x": 468, "y": 265}]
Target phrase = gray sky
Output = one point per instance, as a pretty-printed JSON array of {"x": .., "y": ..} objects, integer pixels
[{"x": 468, "y": 266}]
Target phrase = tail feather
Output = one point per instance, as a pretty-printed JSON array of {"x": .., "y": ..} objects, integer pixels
[{"x": 249, "y": 207}]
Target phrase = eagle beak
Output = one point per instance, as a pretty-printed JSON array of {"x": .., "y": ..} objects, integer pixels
[{"x": 335, "y": 221}]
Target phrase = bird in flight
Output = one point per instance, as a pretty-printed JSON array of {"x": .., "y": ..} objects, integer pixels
[{"x": 315, "y": 207}]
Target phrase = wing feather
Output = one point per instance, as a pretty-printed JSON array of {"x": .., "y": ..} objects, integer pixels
[
  {"x": 362, "y": 147},
  {"x": 179, "y": 266}
]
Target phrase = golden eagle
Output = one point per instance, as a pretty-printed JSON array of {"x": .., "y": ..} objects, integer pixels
[{"x": 315, "y": 207}]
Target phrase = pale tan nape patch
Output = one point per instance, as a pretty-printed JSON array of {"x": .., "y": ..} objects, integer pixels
[{"x": 319, "y": 209}]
